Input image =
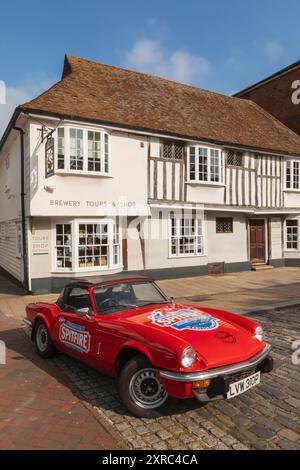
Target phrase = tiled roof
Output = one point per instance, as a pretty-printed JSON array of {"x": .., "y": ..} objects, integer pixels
[{"x": 91, "y": 91}]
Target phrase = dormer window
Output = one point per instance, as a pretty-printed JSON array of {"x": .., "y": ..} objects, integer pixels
[
  {"x": 205, "y": 165},
  {"x": 82, "y": 151}
]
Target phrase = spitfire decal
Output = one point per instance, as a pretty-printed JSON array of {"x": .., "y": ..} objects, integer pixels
[
  {"x": 184, "y": 319},
  {"x": 75, "y": 337}
]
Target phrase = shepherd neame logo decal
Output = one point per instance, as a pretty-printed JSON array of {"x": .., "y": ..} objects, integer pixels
[
  {"x": 75, "y": 337},
  {"x": 184, "y": 319}
]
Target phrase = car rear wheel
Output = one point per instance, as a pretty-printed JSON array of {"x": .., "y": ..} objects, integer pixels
[
  {"x": 140, "y": 389},
  {"x": 42, "y": 340}
]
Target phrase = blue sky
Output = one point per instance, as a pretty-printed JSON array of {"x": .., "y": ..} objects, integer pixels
[{"x": 217, "y": 44}]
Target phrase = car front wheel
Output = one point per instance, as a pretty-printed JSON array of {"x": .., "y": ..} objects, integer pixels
[
  {"x": 42, "y": 340},
  {"x": 140, "y": 389}
]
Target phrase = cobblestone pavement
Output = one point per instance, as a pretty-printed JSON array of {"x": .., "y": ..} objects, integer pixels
[{"x": 266, "y": 417}]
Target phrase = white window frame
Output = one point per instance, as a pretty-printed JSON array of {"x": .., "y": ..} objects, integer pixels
[
  {"x": 75, "y": 245},
  {"x": 178, "y": 219},
  {"x": 84, "y": 171},
  {"x": 19, "y": 241},
  {"x": 285, "y": 235},
  {"x": 292, "y": 189},
  {"x": 209, "y": 156}
]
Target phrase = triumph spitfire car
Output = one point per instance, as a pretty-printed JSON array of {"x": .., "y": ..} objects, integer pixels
[{"x": 157, "y": 348}]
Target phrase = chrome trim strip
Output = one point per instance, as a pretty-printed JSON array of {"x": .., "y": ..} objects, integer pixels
[
  {"x": 210, "y": 374},
  {"x": 27, "y": 322}
]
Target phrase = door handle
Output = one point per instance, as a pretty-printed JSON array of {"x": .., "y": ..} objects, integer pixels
[{"x": 61, "y": 319}]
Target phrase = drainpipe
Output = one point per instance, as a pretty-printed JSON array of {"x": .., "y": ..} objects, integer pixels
[{"x": 23, "y": 215}]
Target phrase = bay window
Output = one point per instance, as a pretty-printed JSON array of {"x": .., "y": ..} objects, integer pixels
[
  {"x": 86, "y": 245},
  {"x": 292, "y": 234},
  {"x": 205, "y": 165},
  {"x": 186, "y": 236},
  {"x": 82, "y": 151},
  {"x": 292, "y": 174}
]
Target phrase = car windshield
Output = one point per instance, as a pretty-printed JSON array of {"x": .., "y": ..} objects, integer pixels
[{"x": 115, "y": 297}]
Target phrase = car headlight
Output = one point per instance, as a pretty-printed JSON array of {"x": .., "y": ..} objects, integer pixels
[
  {"x": 188, "y": 357},
  {"x": 259, "y": 333}
]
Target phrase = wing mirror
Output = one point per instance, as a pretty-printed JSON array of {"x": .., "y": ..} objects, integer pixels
[{"x": 86, "y": 311}]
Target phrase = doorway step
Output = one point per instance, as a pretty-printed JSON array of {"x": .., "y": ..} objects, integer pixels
[{"x": 261, "y": 267}]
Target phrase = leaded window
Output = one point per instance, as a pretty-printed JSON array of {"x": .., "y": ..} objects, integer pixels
[
  {"x": 173, "y": 150},
  {"x": 224, "y": 224}
]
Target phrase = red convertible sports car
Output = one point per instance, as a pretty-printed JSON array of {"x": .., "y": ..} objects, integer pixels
[{"x": 157, "y": 348}]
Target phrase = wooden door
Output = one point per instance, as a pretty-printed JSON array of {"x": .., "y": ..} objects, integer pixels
[{"x": 257, "y": 241}]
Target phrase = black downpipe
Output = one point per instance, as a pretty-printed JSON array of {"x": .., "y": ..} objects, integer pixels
[{"x": 24, "y": 244}]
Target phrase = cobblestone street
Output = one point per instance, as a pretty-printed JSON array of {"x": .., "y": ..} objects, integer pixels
[{"x": 266, "y": 417}]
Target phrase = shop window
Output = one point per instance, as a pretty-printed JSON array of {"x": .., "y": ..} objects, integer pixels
[
  {"x": 89, "y": 245},
  {"x": 292, "y": 234},
  {"x": 93, "y": 245},
  {"x": 63, "y": 246},
  {"x": 186, "y": 236}
]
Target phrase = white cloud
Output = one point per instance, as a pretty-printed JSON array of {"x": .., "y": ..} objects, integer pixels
[
  {"x": 148, "y": 56},
  {"x": 19, "y": 95},
  {"x": 14, "y": 96},
  {"x": 274, "y": 50}
]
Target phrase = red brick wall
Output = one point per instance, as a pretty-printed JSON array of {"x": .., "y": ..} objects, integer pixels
[{"x": 275, "y": 97}]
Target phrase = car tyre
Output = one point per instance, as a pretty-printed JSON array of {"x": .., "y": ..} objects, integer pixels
[
  {"x": 140, "y": 390},
  {"x": 42, "y": 340}
]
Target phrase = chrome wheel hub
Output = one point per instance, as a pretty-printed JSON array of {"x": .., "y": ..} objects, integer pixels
[{"x": 145, "y": 389}]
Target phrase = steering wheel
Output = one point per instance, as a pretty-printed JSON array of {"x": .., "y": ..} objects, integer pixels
[{"x": 109, "y": 302}]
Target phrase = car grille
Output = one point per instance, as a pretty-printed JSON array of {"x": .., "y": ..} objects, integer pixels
[{"x": 241, "y": 375}]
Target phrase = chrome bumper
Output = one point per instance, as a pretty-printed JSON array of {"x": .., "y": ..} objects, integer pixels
[
  {"x": 212, "y": 373},
  {"x": 27, "y": 322}
]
